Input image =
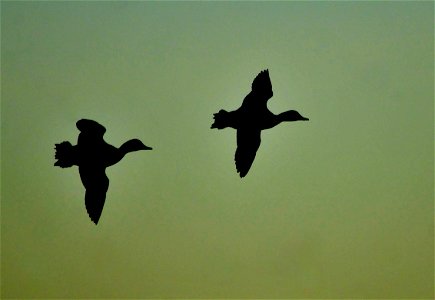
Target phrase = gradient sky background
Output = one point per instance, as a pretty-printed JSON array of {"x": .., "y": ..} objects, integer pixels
[{"x": 340, "y": 206}]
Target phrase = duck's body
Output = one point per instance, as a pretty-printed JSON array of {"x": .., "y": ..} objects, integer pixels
[
  {"x": 250, "y": 119},
  {"x": 93, "y": 155}
]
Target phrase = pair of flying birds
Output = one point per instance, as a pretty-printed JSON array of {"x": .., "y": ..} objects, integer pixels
[{"x": 93, "y": 155}]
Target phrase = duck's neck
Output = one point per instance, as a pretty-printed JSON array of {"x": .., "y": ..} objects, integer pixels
[
  {"x": 126, "y": 148},
  {"x": 276, "y": 120},
  {"x": 114, "y": 155},
  {"x": 290, "y": 116},
  {"x": 284, "y": 117}
]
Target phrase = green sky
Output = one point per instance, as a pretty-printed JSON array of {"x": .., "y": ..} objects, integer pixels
[{"x": 337, "y": 207}]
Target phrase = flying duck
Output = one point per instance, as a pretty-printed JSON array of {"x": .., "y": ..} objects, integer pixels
[
  {"x": 250, "y": 119},
  {"x": 93, "y": 155}
]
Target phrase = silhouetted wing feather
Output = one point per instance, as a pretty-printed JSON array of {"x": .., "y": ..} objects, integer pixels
[
  {"x": 90, "y": 128},
  {"x": 248, "y": 142},
  {"x": 96, "y": 184},
  {"x": 262, "y": 86}
]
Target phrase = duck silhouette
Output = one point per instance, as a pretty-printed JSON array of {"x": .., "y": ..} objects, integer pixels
[
  {"x": 93, "y": 155},
  {"x": 250, "y": 119}
]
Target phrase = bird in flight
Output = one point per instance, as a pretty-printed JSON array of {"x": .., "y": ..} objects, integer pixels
[
  {"x": 93, "y": 155},
  {"x": 250, "y": 119}
]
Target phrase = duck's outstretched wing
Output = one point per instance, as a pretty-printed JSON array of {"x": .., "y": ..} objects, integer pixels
[
  {"x": 248, "y": 142},
  {"x": 96, "y": 184},
  {"x": 91, "y": 128},
  {"x": 262, "y": 86},
  {"x": 261, "y": 91}
]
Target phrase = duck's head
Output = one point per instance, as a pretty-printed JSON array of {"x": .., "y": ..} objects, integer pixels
[
  {"x": 292, "y": 115},
  {"x": 134, "y": 145}
]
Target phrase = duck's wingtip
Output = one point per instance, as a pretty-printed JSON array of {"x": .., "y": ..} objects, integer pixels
[
  {"x": 241, "y": 173},
  {"x": 94, "y": 220}
]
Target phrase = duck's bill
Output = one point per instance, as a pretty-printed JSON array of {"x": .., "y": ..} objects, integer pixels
[{"x": 305, "y": 119}]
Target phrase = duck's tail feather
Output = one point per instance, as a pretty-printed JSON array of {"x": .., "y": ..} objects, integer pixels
[
  {"x": 64, "y": 154},
  {"x": 221, "y": 119}
]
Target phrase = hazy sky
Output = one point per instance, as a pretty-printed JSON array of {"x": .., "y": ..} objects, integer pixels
[{"x": 340, "y": 206}]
